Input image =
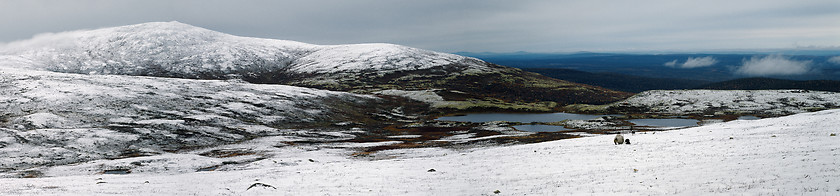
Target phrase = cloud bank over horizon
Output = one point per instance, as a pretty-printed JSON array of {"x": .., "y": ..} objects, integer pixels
[
  {"x": 773, "y": 65},
  {"x": 456, "y": 26}
]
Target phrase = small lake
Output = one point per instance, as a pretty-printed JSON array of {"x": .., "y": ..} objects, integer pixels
[
  {"x": 540, "y": 128},
  {"x": 674, "y": 122},
  {"x": 520, "y": 117}
]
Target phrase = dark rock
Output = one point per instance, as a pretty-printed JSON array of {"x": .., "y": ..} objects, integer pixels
[{"x": 260, "y": 184}]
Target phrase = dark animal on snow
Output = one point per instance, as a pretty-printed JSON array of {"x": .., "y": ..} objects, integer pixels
[{"x": 627, "y": 141}]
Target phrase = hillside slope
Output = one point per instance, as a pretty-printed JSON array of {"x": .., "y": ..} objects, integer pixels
[
  {"x": 55, "y": 118},
  {"x": 177, "y": 50},
  {"x": 768, "y": 103},
  {"x": 792, "y": 155},
  {"x": 771, "y": 83}
]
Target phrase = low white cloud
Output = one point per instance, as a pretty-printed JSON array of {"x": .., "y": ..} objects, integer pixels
[
  {"x": 699, "y": 62},
  {"x": 835, "y": 60},
  {"x": 671, "y": 63},
  {"x": 692, "y": 62},
  {"x": 44, "y": 40},
  {"x": 773, "y": 65}
]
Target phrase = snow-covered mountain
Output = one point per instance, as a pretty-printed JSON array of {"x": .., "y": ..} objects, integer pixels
[
  {"x": 180, "y": 50},
  {"x": 177, "y": 50}
]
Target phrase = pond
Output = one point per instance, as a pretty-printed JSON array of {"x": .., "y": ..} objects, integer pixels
[
  {"x": 520, "y": 117},
  {"x": 541, "y": 128},
  {"x": 675, "y": 122}
]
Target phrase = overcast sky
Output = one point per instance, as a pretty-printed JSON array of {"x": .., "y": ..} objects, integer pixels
[{"x": 453, "y": 25}]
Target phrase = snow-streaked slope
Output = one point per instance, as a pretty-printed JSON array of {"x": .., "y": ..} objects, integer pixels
[
  {"x": 174, "y": 49},
  {"x": 177, "y": 50},
  {"x": 791, "y": 155},
  {"x": 761, "y": 102},
  {"x": 52, "y": 118}
]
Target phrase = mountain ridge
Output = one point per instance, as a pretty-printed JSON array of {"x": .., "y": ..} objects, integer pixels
[{"x": 178, "y": 50}]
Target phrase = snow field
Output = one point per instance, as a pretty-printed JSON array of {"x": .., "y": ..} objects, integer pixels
[{"x": 793, "y": 155}]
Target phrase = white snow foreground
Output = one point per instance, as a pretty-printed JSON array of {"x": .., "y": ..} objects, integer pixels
[
  {"x": 174, "y": 49},
  {"x": 792, "y": 155},
  {"x": 760, "y": 102}
]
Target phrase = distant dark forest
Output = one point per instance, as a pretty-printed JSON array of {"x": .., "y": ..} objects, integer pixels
[
  {"x": 620, "y": 82},
  {"x": 635, "y": 84},
  {"x": 653, "y": 65},
  {"x": 641, "y": 72},
  {"x": 770, "y": 83}
]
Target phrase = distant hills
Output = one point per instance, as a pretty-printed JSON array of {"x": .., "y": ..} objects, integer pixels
[
  {"x": 636, "y": 84},
  {"x": 714, "y": 67},
  {"x": 773, "y": 84},
  {"x": 619, "y": 82}
]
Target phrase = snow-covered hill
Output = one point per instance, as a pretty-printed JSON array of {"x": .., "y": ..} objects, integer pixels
[
  {"x": 710, "y": 102},
  {"x": 175, "y": 49},
  {"x": 793, "y": 155},
  {"x": 55, "y": 118}
]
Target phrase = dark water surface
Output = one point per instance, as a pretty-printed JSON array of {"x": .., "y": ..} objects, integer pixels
[
  {"x": 540, "y": 128},
  {"x": 520, "y": 117}
]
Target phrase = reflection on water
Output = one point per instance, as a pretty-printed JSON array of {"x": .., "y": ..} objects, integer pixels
[
  {"x": 540, "y": 128},
  {"x": 520, "y": 117},
  {"x": 665, "y": 122}
]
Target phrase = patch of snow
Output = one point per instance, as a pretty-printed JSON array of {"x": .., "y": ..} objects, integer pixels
[
  {"x": 425, "y": 96},
  {"x": 767, "y": 102},
  {"x": 405, "y": 136}
]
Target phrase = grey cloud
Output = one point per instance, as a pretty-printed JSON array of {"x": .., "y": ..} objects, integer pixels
[
  {"x": 451, "y": 26},
  {"x": 693, "y": 62},
  {"x": 699, "y": 62},
  {"x": 773, "y": 65},
  {"x": 671, "y": 63},
  {"x": 835, "y": 60}
]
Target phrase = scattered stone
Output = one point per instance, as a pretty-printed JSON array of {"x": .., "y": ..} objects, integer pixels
[
  {"x": 116, "y": 171},
  {"x": 731, "y": 137},
  {"x": 260, "y": 184},
  {"x": 432, "y": 170},
  {"x": 31, "y": 174},
  {"x": 833, "y": 134},
  {"x": 497, "y": 192}
]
